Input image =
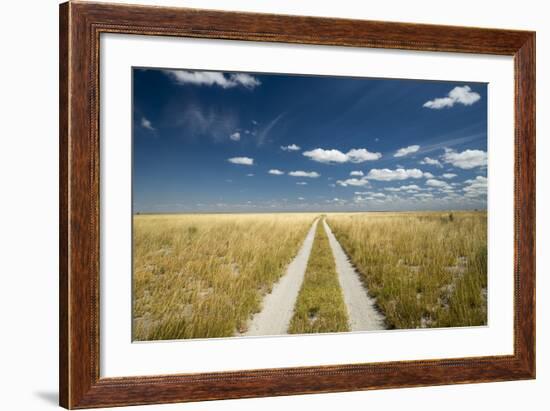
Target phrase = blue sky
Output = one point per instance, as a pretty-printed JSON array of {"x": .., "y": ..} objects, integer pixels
[{"x": 252, "y": 142}]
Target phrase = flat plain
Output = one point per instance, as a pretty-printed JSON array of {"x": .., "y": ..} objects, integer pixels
[{"x": 207, "y": 275}]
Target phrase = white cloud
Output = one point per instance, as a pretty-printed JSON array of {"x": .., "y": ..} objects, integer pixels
[
  {"x": 476, "y": 187},
  {"x": 386, "y": 174},
  {"x": 276, "y": 172},
  {"x": 357, "y": 173},
  {"x": 462, "y": 95},
  {"x": 147, "y": 124},
  {"x": 361, "y": 199},
  {"x": 409, "y": 188},
  {"x": 466, "y": 159},
  {"x": 250, "y": 175},
  {"x": 448, "y": 175},
  {"x": 245, "y": 80},
  {"x": 356, "y": 155},
  {"x": 360, "y": 155},
  {"x": 211, "y": 78},
  {"x": 309, "y": 174},
  {"x": 291, "y": 147},
  {"x": 326, "y": 156},
  {"x": 236, "y": 136},
  {"x": 423, "y": 195},
  {"x": 337, "y": 200},
  {"x": 431, "y": 162},
  {"x": 245, "y": 161},
  {"x": 406, "y": 150},
  {"x": 354, "y": 182},
  {"x": 437, "y": 183},
  {"x": 301, "y": 183},
  {"x": 301, "y": 198}
]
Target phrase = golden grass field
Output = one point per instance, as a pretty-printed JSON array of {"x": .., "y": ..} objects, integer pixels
[
  {"x": 425, "y": 269},
  {"x": 204, "y": 275},
  {"x": 320, "y": 305}
]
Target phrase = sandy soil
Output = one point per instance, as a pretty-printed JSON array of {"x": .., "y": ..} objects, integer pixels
[
  {"x": 363, "y": 315},
  {"x": 278, "y": 306}
]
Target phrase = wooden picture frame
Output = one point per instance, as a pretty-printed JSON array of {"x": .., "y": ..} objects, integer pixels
[{"x": 80, "y": 27}]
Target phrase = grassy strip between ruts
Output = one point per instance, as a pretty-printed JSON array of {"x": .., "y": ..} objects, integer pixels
[{"x": 320, "y": 305}]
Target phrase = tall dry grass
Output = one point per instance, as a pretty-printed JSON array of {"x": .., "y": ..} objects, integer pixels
[
  {"x": 202, "y": 276},
  {"x": 425, "y": 269}
]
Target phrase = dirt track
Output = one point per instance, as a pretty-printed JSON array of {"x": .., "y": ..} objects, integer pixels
[{"x": 278, "y": 306}]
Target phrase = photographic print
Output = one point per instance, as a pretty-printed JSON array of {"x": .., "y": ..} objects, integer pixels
[{"x": 274, "y": 204}]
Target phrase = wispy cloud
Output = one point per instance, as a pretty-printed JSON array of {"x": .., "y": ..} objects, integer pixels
[
  {"x": 291, "y": 147},
  {"x": 276, "y": 172},
  {"x": 147, "y": 124},
  {"x": 309, "y": 174},
  {"x": 245, "y": 161},
  {"x": 357, "y": 174},
  {"x": 301, "y": 183},
  {"x": 466, "y": 159},
  {"x": 236, "y": 136},
  {"x": 461, "y": 95},
  {"x": 264, "y": 133},
  {"x": 213, "y": 78},
  {"x": 333, "y": 156},
  {"x": 444, "y": 143},
  {"x": 402, "y": 152},
  {"x": 448, "y": 175},
  {"x": 210, "y": 122}
]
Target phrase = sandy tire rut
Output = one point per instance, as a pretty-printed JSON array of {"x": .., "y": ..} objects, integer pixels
[
  {"x": 278, "y": 306},
  {"x": 362, "y": 312}
]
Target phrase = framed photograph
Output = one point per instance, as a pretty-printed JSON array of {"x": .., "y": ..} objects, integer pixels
[{"x": 258, "y": 205}]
